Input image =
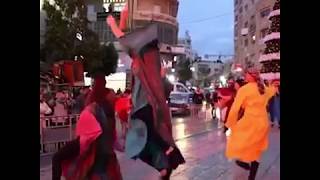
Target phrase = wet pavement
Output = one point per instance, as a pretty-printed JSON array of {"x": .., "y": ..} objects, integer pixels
[{"x": 202, "y": 145}]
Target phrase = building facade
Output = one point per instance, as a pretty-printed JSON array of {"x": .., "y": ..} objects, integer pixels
[
  {"x": 207, "y": 71},
  {"x": 186, "y": 44},
  {"x": 164, "y": 14},
  {"x": 42, "y": 24},
  {"x": 250, "y": 27}
]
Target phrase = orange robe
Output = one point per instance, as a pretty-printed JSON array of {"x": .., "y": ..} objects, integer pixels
[{"x": 249, "y": 135}]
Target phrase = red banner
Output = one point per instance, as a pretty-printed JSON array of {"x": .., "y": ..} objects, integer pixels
[{"x": 72, "y": 71}]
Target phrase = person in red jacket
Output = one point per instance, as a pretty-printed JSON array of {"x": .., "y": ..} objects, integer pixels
[{"x": 122, "y": 108}]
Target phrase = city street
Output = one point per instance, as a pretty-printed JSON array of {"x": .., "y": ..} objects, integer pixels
[{"x": 202, "y": 145}]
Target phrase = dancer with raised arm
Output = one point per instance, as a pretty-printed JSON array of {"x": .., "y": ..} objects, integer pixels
[
  {"x": 250, "y": 131},
  {"x": 150, "y": 130}
]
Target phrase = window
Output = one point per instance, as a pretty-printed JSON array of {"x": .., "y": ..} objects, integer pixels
[
  {"x": 252, "y": 17},
  {"x": 263, "y": 33},
  {"x": 246, "y": 24},
  {"x": 235, "y": 2},
  {"x": 265, "y": 12},
  {"x": 236, "y": 18},
  {"x": 181, "y": 89},
  {"x": 252, "y": 28},
  {"x": 246, "y": 42},
  {"x": 246, "y": 7},
  {"x": 240, "y": 10},
  {"x": 252, "y": 1},
  {"x": 235, "y": 32},
  {"x": 90, "y": 9}
]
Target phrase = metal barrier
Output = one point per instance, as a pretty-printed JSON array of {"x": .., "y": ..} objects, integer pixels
[{"x": 55, "y": 131}]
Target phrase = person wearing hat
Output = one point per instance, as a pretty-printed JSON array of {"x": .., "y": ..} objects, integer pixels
[
  {"x": 149, "y": 136},
  {"x": 249, "y": 134},
  {"x": 91, "y": 155}
]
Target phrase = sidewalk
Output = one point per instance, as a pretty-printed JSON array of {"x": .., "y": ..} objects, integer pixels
[
  {"x": 182, "y": 127},
  {"x": 205, "y": 160}
]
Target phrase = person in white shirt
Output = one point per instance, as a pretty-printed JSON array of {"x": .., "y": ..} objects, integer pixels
[
  {"x": 44, "y": 110},
  {"x": 60, "y": 109}
]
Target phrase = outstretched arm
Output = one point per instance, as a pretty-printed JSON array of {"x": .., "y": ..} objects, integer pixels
[
  {"x": 114, "y": 27},
  {"x": 117, "y": 31}
]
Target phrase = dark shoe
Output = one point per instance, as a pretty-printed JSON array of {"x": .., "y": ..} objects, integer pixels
[
  {"x": 244, "y": 165},
  {"x": 253, "y": 170}
]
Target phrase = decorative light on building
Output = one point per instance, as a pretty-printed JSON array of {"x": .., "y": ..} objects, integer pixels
[
  {"x": 171, "y": 78},
  {"x": 175, "y": 58},
  {"x": 79, "y": 36},
  {"x": 173, "y": 70},
  {"x": 254, "y": 37},
  {"x": 193, "y": 69}
]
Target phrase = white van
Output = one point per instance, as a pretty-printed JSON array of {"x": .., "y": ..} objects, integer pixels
[{"x": 180, "y": 98}]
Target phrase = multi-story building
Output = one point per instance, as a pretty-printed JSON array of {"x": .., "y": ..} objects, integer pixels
[
  {"x": 164, "y": 14},
  {"x": 207, "y": 70},
  {"x": 250, "y": 27},
  {"x": 186, "y": 44}
]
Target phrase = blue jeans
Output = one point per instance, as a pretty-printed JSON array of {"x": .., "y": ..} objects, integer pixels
[{"x": 274, "y": 109}]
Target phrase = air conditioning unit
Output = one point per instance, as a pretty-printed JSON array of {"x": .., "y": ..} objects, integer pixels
[{"x": 244, "y": 31}]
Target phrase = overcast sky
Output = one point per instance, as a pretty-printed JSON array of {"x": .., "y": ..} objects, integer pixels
[{"x": 210, "y": 24}]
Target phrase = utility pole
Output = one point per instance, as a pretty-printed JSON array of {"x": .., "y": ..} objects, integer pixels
[{"x": 130, "y": 13}]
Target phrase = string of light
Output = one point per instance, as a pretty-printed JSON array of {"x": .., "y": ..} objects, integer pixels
[{"x": 206, "y": 19}]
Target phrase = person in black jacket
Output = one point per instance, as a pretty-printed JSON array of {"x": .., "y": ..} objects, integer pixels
[{"x": 198, "y": 97}]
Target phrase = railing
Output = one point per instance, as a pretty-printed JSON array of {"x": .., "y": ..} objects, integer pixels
[
  {"x": 55, "y": 131},
  {"x": 151, "y": 15}
]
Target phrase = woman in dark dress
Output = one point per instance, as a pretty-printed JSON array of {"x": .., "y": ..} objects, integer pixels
[{"x": 150, "y": 131}]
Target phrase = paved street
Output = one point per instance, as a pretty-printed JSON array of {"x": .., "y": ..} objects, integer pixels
[{"x": 202, "y": 145}]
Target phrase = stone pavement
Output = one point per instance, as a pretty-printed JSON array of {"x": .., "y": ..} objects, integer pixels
[{"x": 202, "y": 145}]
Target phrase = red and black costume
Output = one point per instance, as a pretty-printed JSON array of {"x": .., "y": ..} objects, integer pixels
[{"x": 91, "y": 155}]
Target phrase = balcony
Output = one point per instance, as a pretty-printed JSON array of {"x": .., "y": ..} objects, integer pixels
[
  {"x": 155, "y": 16},
  {"x": 244, "y": 31}
]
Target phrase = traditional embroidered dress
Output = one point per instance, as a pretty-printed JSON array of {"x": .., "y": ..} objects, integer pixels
[{"x": 150, "y": 116}]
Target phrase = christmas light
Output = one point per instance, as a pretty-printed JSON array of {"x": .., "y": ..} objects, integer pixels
[{"x": 272, "y": 45}]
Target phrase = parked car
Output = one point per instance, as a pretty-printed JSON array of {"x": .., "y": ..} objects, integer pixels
[{"x": 180, "y": 99}]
